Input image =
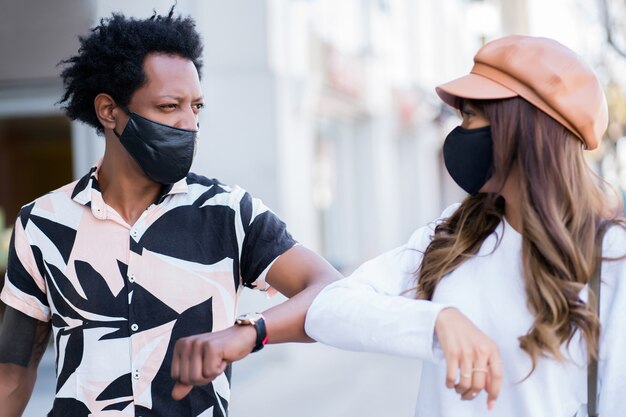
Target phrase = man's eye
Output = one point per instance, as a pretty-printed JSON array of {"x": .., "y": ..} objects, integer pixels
[
  {"x": 199, "y": 106},
  {"x": 168, "y": 106}
]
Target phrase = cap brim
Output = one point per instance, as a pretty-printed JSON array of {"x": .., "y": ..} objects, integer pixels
[{"x": 472, "y": 86}]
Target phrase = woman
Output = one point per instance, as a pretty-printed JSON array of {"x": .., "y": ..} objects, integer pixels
[{"x": 514, "y": 257}]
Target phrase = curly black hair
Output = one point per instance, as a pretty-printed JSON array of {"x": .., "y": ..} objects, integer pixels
[{"x": 110, "y": 59}]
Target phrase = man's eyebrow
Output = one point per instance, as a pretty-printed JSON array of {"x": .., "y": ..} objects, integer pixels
[{"x": 179, "y": 98}]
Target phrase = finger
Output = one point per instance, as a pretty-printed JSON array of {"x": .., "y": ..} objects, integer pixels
[
  {"x": 487, "y": 386},
  {"x": 213, "y": 365},
  {"x": 479, "y": 378},
  {"x": 465, "y": 380},
  {"x": 452, "y": 370},
  {"x": 183, "y": 364},
  {"x": 175, "y": 369},
  {"x": 469, "y": 395},
  {"x": 180, "y": 391},
  {"x": 196, "y": 364},
  {"x": 496, "y": 374},
  {"x": 478, "y": 383}
]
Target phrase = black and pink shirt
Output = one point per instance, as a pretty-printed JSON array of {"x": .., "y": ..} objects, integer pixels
[{"x": 120, "y": 296}]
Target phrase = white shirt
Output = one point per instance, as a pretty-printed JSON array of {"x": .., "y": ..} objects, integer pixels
[{"x": 372, "y": 311}]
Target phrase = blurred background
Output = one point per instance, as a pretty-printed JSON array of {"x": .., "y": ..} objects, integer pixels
[{"x": 324, "y": 109}]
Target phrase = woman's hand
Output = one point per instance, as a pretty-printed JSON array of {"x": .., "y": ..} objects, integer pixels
[{"x": 471, "y": 352}]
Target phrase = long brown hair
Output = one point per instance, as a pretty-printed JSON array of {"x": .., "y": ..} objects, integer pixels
[{"x": 563, "y": 208}]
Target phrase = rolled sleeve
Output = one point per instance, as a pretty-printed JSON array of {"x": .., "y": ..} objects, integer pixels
[
  {"x": 24, "y": 286},
  {"x": 266, "y": 238}
]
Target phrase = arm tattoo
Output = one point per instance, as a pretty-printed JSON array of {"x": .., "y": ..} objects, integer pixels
[
  {"x": 22, "y": 338},
  {"x": 42, "y": 336}
]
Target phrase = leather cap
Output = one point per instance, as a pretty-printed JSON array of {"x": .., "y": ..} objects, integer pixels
[{"x": 545, "y": 73}]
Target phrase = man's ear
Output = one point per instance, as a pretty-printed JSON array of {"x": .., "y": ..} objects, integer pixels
[{"x": 107, "y": 111}]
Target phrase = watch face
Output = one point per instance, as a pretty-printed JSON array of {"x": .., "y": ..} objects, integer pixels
[{"x": 249, "y": 318}]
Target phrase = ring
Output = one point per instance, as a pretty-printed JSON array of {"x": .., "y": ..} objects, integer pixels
[
  {"x": 479, "y": 370},
  {"x": 466, "y": 375}
]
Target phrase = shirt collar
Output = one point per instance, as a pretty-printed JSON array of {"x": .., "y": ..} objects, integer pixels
[{"x": 87, "y": 190}]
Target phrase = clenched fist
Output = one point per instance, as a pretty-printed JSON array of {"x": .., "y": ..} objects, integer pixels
[{"x": 199, "y": 359}]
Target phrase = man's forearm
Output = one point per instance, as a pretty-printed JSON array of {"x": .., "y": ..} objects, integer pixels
[
  {"x": 23, "y": 342},
  {"x": 16, "y": 387}
]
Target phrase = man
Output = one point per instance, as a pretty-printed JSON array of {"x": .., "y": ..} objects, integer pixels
[{"x": 137, "y": 267}]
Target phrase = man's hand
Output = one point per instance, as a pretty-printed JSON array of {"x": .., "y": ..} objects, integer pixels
[
  {"x": 200, "y": 359},
  {"x": 469, "y": 350}
]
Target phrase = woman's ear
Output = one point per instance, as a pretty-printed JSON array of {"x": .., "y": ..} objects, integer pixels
[{"x": 107, "y": 111}]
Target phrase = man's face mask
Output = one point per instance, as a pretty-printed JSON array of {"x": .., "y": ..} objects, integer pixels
[
  {"x": 163, "y": 152},
  {"x": 468, "y": 155}
]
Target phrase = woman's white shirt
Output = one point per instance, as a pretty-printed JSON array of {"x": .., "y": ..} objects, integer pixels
[{"x": 374, "y": 310}]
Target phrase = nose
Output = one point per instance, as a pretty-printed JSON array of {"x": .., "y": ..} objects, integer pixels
[{"x": 188, "y": 120}]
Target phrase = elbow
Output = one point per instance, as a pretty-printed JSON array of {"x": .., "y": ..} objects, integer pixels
[{"x": 319, "y": 315}]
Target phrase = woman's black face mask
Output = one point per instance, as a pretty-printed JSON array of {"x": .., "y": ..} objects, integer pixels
[
  {"x": 163, "y": 152},
  {"x": 468, "y": 155}
]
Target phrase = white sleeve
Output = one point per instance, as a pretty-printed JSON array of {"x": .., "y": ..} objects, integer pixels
[
  {"x": 612, "y": 364},
  {"x": 374, "y": 309}
]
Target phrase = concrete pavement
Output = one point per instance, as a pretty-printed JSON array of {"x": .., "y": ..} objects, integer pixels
[{"x": 312, "y": 380}]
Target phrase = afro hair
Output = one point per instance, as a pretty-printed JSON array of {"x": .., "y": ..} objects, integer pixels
[{"x": 110, "y": 59}]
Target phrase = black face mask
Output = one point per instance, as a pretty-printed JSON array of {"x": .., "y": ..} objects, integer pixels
[
  {"x": 163, "y": 152},
  {"x": 468, "y": 155}
]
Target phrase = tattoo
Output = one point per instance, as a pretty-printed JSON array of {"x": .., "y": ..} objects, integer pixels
[
  {"x": 23, "y": 339},
  {"x": 42, "y": 337}
]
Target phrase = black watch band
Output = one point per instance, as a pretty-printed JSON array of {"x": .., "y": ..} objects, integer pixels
[
  {"x": 261, "y": 335},
  {"x": 258, "y": 321}
]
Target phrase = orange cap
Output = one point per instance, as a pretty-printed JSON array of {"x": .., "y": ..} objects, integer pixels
[{"x": 545, "y": 73}]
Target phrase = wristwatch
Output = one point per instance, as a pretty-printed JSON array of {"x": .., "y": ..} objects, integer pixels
[{"x": 258, "y": 321}]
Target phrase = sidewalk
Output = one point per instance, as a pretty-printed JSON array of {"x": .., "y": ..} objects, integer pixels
[{"x": 312, "y": 380}]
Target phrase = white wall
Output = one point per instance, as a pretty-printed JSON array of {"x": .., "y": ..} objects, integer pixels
[
  {"x": 239, "y": 121},
  {"x": 36, "y": 35}
]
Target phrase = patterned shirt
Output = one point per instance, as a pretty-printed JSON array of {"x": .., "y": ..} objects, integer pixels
[{"x": 120, "y": 296}]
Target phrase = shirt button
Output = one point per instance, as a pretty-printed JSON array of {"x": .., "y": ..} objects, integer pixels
[
  {"x": 134, "y": 327},
  {"x": 136, "y": 374},
  {"x": 131, "y": 278},
  {"x": 134, "y": 233}
]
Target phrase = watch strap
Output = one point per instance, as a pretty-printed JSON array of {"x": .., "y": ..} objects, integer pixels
[{"x": 261, "y": 335}]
